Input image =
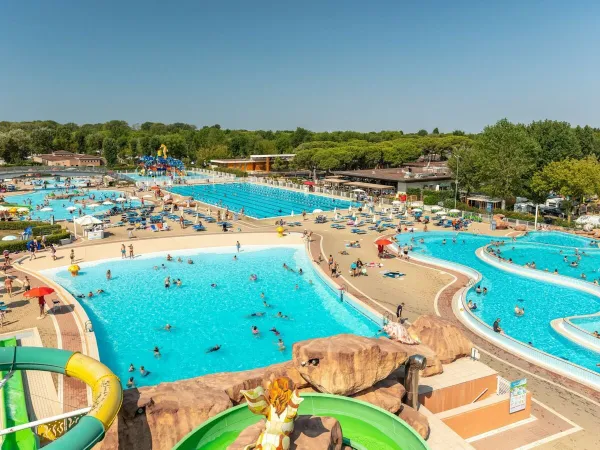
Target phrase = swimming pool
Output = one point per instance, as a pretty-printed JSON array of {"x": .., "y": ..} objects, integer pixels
[
  {"x": 59, "y": 210},
  {"x": 260, "y": 201},
  {"x": 167, "y": 179},
  {"x": 128, "y": 317},
  {"x": 589, "y": 324},
  {"x": 542, "y": 301}
]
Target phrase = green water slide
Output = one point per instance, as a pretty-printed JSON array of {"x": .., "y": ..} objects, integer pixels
[
  {"x": 364, "y": 426},
  {"x": 13, "y": 409}
]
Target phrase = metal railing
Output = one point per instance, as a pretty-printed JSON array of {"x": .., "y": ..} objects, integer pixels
[{"x": 502, "y": 386}]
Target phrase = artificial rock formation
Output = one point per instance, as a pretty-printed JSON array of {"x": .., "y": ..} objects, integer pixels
[
  {"x": 387, "y": 394},
  {"x": 157, "y": 417},
  {"x": 445, "y": 339},
  {"x": 416, "y": 420},
  {"x": 310, "y": 433},
  {"x": 433, "y": 365},
  {"x": 346, "y": 364}
]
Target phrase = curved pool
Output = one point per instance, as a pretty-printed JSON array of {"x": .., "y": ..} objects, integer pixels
[
  {"x": 128, "y": 317},
  {"x": 542, "y": 301}
]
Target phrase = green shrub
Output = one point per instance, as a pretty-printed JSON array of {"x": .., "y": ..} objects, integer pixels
[
  {"x": 46, "y": 229},
  {"x": 20, "y": 246},
  {"x": 236, "y": 172},
  {"x": 20, "y": 225}
]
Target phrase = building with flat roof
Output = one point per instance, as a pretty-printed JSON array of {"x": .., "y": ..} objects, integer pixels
[
  {"x": 419, "y": 175},
  {"x": 255, "y": 163},
  {"x": 69, "y": 159}
]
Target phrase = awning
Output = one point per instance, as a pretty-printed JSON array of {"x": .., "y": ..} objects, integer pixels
[
  {"x": 334, "y": 181},
  {"x": 370, "y": 185}
]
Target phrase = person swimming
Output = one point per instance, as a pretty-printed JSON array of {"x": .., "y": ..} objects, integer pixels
[
  {"x": 190, "y": 261},
  {"x": 300, "y": 272},
  {"x": 90, "y": 295},
  {"x": 255, "y": 330},
  {"x": 253, "y": 277},
  {"x": 281, "y": 345},
  {"x": 179, "y": 260},
  {"x": 167, "y": 282},
  {"x": 178, "y": 282},
  {"x": 262, "y": 295},
  {"x": 484, "y": 291},
  {"x": 100, "y": 291},
  {"x": 156, "y": 352},
  {"x": 274, "y": 330},
  {"x": 235, "y": 257},
  {"x": 281, "y": 316},
  {"x": 519, "y": 311},
  {"x": 169, "y": 258},
  {"x": 131, "y": 367},
  {"x": 167, "y": 327},
  {"x": 214, "y": 349},
  {"x": 213, "y": 285},
  {"x": 144, "y": 372},
  {"x": 265, "y": 304},
  {"x": 257, "y": 314},
  {"x": 130, "y": 383},
  {"x": 478, "y": 289}
]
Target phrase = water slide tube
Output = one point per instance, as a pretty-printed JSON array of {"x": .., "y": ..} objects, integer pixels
[
  {"x": 364, "y": 426},
  {"x": 107, "y": 393},
  {"x": 13, "y": 409}
]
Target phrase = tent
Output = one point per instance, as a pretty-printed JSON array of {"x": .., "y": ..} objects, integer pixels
[{"x": 84, "y": 221}]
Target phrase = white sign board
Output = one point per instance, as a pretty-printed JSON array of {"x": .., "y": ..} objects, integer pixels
[{"x": 518, "y": 395}]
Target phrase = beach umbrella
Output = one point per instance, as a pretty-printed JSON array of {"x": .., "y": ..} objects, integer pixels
[
  {"x": 417, "y": 210},
  {"x": 38, "y": 291},
  {"x": 71, "y": 208},
  {"x": 93, "y": 205},
  {"x": 436, "y": 208},
  {"x": 383, "y": 241},
  {"x": 107, "y": 203},
  {"x": 133, "y": 198},
  {"x": 120, "y": 199},
  {"x": 454, "y": 211},
  {"x": 9, "y": 238},
  {"x": 357, "y": 190},
  {"x": 316, "y": 211},
  {"x": 47, "y": 208},
  {"x": 374, "y": 219},
  {"x": 396, "y": 203},
  {"x": 309, "y": 183},
  {"x": 292, "y": 213},
  {"x": 148, "y": 196}
]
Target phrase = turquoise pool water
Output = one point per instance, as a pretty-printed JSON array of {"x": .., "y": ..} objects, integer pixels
[
  {"x": 260, "y": 201},
  {"x": 587, "y": 259},
  {"x": 589, "y": 324},
  {"x": 59, "y": 206},
  {"x": 161, "y": 179},
  {"x": 543, "y": 302},
  {"x": 128, "y": 317}
]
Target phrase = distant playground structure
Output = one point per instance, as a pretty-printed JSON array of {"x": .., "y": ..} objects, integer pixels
[{"x": 161, "y": 165}]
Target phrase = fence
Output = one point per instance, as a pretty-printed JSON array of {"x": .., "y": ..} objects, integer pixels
[{"x": 502, "y": 386}]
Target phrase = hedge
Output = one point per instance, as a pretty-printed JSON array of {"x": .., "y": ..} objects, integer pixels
[
  {"x": 237, "y": 172},
  {"x": 19, "y": 246},
  {"x": 20, "y": 224},
  {"x": 45, "y": 229}
]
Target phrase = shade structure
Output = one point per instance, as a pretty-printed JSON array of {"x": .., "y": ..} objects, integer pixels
[
  {"x": 357, "y": 190},
  {"x": 87, "y": 220},
  {"x": 383, "y": 241},
  {"x": 107, "y": 203},
  {"x": 71, "y": 208},
  {"x": 10, "y": 237},
  {"x": 39, "y": 291}
]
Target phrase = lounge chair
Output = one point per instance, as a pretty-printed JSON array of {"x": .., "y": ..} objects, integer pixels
[
  {"x": 154, "y": 228},
  {"x": 165, "y": 226},
  {"x": 392, "y": 274}
]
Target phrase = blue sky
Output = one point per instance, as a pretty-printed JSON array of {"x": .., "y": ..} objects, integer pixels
[{"x": 322, "y": 65}]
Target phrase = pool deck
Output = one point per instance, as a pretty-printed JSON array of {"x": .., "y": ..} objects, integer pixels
[{"x": 426, "y": 289}]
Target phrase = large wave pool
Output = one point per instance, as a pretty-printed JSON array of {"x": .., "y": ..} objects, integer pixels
[
  {"x": 260, "y": 201},
  {"x": 542, "y": 301},
  {"x": 129, "y": 315},
  {"x": 59, "y": 206}
]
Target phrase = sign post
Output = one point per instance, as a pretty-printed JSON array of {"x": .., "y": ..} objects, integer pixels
[{"x": 518, "y": 395}]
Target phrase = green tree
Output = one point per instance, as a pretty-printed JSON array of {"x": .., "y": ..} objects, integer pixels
[
  {"x": 588, "y": 142},
  {"x": 557, "y": 140},
  {"x": 572, "y": 178},
  {"x": 14, "y": 145},
  {"x": 110, "y": 151},
  {"x": 507, "y": 158},
  {"x": 93, "y": 142},
  {"x": 41, "y": 139},
  {"x": 299, "y": 136},
  {"x": 422, "y": 132},
  {"x": 465, "y": 163},
  {"x": 458, "y": 133},
  {"x": 435, "y": 131}
]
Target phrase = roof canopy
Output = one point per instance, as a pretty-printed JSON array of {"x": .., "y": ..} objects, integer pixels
[{"x": 369, "y": 185}]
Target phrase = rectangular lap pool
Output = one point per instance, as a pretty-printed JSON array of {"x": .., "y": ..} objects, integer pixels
[{"x": 260, "y": 202}]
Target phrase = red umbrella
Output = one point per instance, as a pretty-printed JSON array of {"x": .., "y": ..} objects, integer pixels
[
  {"x": 38, "y": 291},
  {"x": 383, "y": 241},
  {"x": 309, "y": 183}
]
